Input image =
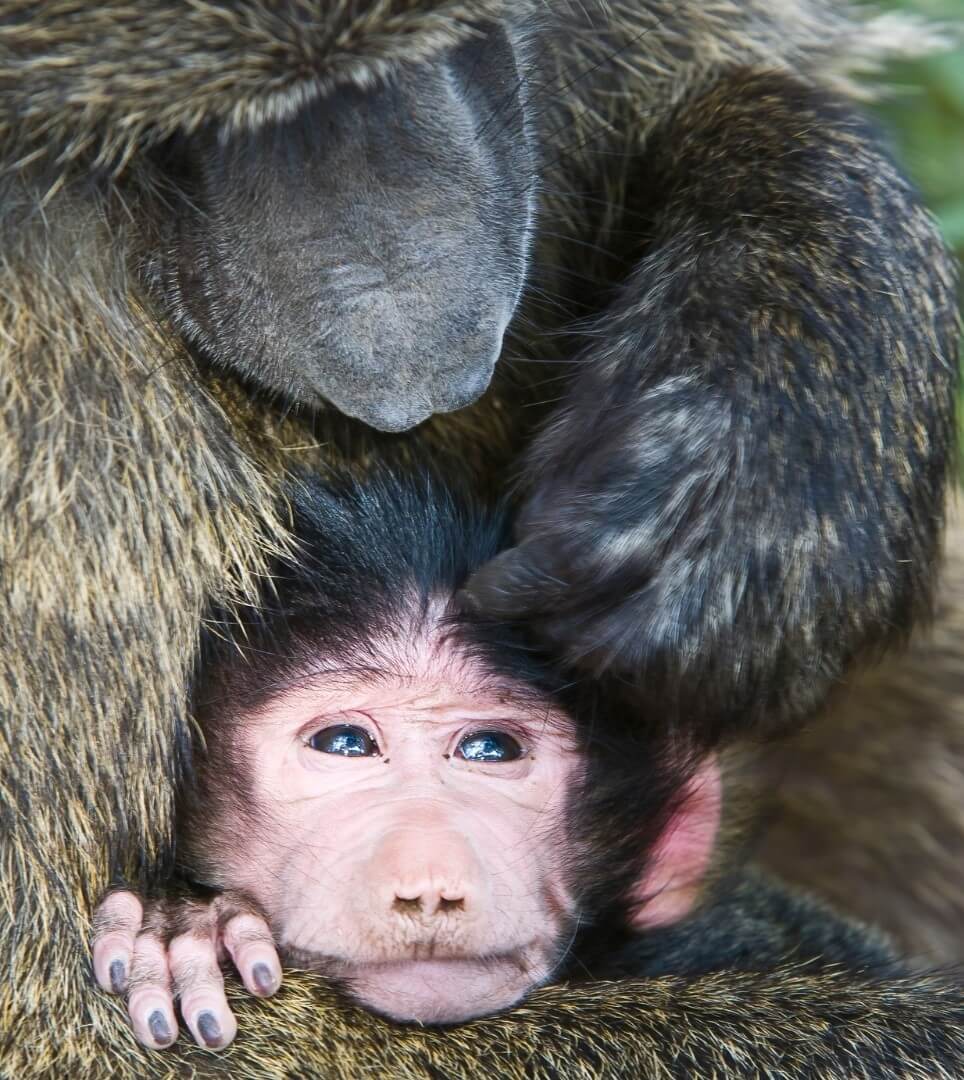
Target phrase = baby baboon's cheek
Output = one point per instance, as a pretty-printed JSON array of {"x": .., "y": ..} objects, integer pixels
[{"x": 417, "y": 878}]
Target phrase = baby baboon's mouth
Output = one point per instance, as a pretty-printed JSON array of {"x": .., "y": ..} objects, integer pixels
[{"x": 442, "y": 991}]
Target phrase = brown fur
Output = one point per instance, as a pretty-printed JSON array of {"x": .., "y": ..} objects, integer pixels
[
  {"x": 869, "y": 809},
  {"x": 132, "y": 492},
  {"x": 785, "y": 1025}
]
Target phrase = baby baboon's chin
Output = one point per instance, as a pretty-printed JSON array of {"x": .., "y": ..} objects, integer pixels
[{"x": 443, "y": 991}]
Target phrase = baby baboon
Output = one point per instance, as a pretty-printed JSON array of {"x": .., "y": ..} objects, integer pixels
[
  {"x": 213, "y": 218},
  {"x": 411, "y": 801}
]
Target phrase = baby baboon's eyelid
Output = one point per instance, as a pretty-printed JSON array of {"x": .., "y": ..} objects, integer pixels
[
  {"x": 339, "y": 718},
  {"x": 506, "y": 730},
  {"x": 336, "y": 730}
]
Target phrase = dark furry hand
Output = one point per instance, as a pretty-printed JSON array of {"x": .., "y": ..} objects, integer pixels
[
  {"x": 631, "y": 555},
  {"x": 742, "y": 488},
  {"x": 647, "y": 546}
]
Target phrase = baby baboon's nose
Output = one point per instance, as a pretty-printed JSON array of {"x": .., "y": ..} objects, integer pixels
[
  {"x": 429, "y": 901},
  {"x": 426, "y": 873}
]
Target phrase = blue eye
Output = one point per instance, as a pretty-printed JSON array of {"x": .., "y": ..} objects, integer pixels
[
  {"x": 344, "y": 739},
  {"x": 489, "y": 746}
]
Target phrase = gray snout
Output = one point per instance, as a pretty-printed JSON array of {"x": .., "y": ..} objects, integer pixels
[
  {"x": 397, "y": 410},
  {"x": 394, "y": 393}
]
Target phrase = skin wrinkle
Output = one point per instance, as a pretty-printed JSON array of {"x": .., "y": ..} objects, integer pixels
[{"x": 388, "y": 666}]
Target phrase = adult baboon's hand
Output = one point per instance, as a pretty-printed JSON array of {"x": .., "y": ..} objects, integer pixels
[
  {"x": 741, "y": 488},
  {"x": 646, "y": 546}
]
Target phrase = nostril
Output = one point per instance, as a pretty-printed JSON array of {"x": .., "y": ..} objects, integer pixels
[
  {"x": 446, "y": 905},
  {"x": 429, "y": 905},
  {"x": 407, "y": 905}
]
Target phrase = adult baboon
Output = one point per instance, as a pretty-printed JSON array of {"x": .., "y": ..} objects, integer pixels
[{"x": 213, "y": 218}]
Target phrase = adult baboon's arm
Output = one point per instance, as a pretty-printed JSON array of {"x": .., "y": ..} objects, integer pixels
[{"x": 743, "y": 487}]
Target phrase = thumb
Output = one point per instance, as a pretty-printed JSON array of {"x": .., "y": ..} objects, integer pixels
[{"x": 512, "y": 585}]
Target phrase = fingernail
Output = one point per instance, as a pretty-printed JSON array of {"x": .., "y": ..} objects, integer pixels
[
  {"x": 157, "y": 1022},
  {"x": 263, "y": 978},
  {"x": 118, "y": 977},
  {"x": 209, "y": 1029}
]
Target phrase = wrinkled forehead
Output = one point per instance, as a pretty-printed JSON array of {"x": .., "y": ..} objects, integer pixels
[
  {"x": 328, "y": 689},
  {"x": 423, "y": 662}
]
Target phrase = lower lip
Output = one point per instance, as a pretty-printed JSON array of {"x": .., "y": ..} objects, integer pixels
[
  {"x": 430, "y": 968},
  {"x": 440, "y": 991}
]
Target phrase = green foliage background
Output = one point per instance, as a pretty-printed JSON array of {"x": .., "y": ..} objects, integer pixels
[{"x": 924, "y": 110}]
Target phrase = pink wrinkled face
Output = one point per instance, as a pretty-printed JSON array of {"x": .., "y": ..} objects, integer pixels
[{"x": 409, "y": 831}]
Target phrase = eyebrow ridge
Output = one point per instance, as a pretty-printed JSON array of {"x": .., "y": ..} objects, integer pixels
[{"x": 348, "y": 675}]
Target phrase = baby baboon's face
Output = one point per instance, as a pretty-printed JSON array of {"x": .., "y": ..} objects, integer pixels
[{"x": 405, "y": 827}]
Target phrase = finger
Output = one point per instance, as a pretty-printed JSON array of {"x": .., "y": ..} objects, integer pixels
[
  {"x": 251, "y": 947},
  {"x": 511, "y": 585},
  {"x": 117, "y": 921},
  {"x": 200, "y": 988},
  {"x": 150, "y": 1003}
]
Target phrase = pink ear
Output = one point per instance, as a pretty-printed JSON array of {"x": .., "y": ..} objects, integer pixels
[{"x": 670, "y": 885}]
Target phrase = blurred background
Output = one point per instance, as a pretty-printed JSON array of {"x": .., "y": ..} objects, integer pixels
[{"x": 924, "y": 110}]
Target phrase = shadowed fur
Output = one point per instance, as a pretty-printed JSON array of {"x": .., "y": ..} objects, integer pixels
[{"x": 887, "y": 757}]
